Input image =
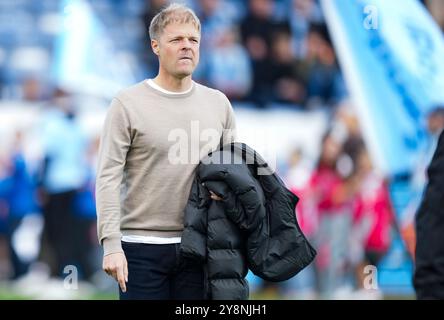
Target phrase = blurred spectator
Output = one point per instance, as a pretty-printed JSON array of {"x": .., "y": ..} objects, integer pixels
[
  {"x": 302, "y": 14},
  {"x": 229, "y": 66},
  {"x": 216, "y": 18},
  {"x": 332, "y": 197},
  {"x": 21, "y": 201},
  {"x": 373, "y": 217},
  {"x": 152, "y": 7},
  {"x": 320, "y": 70},
  {"x": 287, "y": 88},
  {"x": 63, "y": 173},
  {"x": 257, "y": 29}
]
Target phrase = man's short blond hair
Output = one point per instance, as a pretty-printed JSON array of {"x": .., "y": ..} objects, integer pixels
[{"x": 173, "y": 13}]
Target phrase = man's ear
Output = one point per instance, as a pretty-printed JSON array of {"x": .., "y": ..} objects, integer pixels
[{"x": 155, "y": 47}]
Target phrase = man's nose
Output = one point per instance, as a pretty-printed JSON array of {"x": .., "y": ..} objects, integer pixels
[{"x": 186, "y": 44}]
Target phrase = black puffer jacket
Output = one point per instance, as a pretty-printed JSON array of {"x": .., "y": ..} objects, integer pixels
[{"x": 254, "y": 226}]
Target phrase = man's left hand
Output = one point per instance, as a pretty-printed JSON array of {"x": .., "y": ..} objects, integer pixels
[{"x": 215, "y": 196}]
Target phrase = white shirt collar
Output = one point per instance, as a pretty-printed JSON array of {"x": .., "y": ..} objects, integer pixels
[{"x": 154, "y": 85}]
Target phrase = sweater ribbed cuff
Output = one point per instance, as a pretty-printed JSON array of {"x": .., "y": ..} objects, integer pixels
[{"x": 112, "y": 245}]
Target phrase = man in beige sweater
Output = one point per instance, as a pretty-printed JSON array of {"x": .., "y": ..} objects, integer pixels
[{"x": 154, "y": 135}]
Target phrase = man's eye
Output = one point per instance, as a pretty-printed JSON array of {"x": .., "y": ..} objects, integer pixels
[{"x": 194, "y": 40}]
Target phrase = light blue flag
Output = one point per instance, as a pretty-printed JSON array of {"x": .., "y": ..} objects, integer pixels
[
  {"x": 392, "y": 55},
  {"x": 85, "y": 59}
]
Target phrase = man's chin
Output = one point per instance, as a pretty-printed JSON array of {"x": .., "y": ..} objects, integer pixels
[{"x": 184, "y": 73}]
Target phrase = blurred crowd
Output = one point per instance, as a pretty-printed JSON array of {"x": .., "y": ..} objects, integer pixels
[
  {"x": 347, "y": 211},
  {"x": 266, "y": 52},
  {"x": 47, "y": 206},
  {"x": 260, "y": 53}
]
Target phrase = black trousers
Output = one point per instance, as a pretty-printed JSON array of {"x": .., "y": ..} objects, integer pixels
[
  {"x": 155, "y": 272},
  {"x": 66, "y": 239},
  {"x": 58, "y": 233}
]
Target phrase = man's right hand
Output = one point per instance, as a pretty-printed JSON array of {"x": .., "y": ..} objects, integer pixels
[{"x": 116, "y": 266}]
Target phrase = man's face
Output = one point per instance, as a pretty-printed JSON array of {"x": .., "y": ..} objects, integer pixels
[{"x": 178, "y": 49}]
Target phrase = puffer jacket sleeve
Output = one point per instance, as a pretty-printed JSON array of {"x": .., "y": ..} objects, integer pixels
[
  {"x": 194, "y": 237},
  {"x": 277, "y": 249}
]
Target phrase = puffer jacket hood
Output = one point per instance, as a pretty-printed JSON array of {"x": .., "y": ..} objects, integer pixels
[{"x": 254, "y": 226}]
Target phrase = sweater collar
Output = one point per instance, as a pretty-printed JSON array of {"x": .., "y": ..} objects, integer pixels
[{"x": 169, "y": 95}]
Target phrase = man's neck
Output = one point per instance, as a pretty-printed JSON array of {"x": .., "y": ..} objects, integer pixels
[{"x": 173, "y": 84}]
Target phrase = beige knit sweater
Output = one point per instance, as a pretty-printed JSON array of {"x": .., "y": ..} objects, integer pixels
[{"x": 150, "y": 147}]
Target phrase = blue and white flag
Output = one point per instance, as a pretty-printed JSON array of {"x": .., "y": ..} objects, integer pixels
[
  {"x": 392, "y": 55},
  {"x": 85, "y": 58}
]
